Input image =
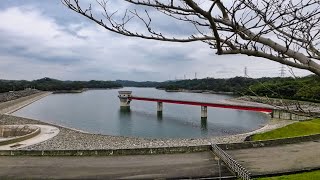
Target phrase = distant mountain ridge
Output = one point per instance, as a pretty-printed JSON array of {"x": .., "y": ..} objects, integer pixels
[
  {"x": 49, "y": 84},
  {"x": 303, "y": 88},
  {"x": 127, "y": 83}
]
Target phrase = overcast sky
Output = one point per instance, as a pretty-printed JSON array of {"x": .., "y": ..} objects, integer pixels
[{"x": 42, "y": 38}]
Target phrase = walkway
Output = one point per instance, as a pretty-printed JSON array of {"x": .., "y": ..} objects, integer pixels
[
  {"x": 266, "y": 160},
  {"x": 228, "y": 105},
  {"x": 116, "y": 167},
  {"x": 279, "y": 159}
]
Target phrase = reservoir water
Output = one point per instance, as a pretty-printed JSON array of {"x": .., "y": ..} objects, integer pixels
[{"x": 98, "y": 111}]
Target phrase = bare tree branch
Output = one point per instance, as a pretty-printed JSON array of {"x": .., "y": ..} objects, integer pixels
[{"x": 285, "y": 31}]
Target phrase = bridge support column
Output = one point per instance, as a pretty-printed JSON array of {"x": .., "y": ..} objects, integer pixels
[
  {"x": 204, "y": 112},
  {"x": 124, "y": 97},
  {"x": 159, "y": 109},
  {"x": 159, "y": 106}
]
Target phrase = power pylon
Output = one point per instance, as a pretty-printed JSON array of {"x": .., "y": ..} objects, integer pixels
[
  {"x": 282, "y": 71},
  {"x": 245, "y": 71}
]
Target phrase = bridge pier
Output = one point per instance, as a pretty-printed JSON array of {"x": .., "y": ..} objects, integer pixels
[
  {"x": 159, "y": 109},
  {"x": 159, "y": 106},
  {"x": 204, "y": 112}
]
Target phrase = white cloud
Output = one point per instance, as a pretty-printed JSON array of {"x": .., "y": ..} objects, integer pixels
[{"x": 35, "y": 45}]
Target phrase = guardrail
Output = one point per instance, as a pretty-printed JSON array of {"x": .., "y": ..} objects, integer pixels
[{"x": 234, "y": 166}]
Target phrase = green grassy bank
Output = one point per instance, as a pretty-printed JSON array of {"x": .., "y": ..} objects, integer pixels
[
  {"x": 314, "y": 175},
  {"x": 293, "y": 130}
]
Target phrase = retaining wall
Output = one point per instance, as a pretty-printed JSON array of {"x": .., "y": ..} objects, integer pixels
[
  {"x": 36, "y": 132},
  {"x": 160, "y": 150},
  {"x": 268, "y": 143},
  {"x": 281, "y": 114},
  {"x": 14, "y": 105},
  {"x": 107, "y": 152}
]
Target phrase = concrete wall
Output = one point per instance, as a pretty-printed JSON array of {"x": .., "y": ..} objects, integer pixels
[
  {"x": 14, "y": 105},
  {"x": 21, "y": 138},
  {"x": 160, "y": 150},
  {"x": 267, "y": 143},
  {"x": 281, "y": 114},
  {"x": 116, "y": 152}
]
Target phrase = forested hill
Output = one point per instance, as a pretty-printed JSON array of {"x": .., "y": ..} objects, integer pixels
[
  {"x": 236, "y": 84},
  {"x": 127, "y": 83},
  {"x": 48, "y": 84},
  {"x": 304, "y": 88}
]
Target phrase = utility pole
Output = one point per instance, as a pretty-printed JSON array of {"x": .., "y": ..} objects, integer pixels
[
  {"x": 245, "y": 71},
  {"x": 282, "y": 71}
]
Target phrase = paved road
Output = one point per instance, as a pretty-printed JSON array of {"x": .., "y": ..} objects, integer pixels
[
  {"x": 257, "y": 160},
  {"x": 119, "y": 167},
  {"x": 279, "y": 158}
]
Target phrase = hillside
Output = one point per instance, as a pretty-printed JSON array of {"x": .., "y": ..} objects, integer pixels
[
  {"x": 304, "y": 88},
  {"x": 48, "y": 84}
]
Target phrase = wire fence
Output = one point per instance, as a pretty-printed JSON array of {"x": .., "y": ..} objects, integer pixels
[{"x": 234, "y": 166}]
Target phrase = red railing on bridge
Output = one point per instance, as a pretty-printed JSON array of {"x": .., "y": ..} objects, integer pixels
[{"x": 194, "y": 103}]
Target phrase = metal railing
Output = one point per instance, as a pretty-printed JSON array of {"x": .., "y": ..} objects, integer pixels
[{"x": 234, "y": 166}]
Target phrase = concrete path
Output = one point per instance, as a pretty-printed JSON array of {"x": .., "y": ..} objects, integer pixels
[
  {"x": 47, "y": 132},
  {"x": 116, "y": 167},
  {"x": 279, "y": 159},
  {"x": 267, "y": 160}
]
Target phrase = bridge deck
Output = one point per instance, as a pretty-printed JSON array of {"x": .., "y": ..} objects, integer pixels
[{"x": 196, "y": 103}]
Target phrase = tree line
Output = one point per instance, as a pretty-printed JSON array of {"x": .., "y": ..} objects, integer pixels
[
  {"x": 48, "y": 84},
  {"x": 304, "y": 88}
]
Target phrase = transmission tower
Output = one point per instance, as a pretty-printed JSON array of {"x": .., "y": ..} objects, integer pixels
[
  {"x": 245, "y": 71},
  {"x": 195, "y": 75},
  {"x": 282, "y": 71}
]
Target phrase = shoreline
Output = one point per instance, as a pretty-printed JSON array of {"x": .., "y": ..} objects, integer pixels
[
  {"x": 294, "y": 105},
  {"x": 70, "y": 138},
  {"x": 73, "y": 139},
  {"x": 82, "y": 90},
  {"x": 197, "y": 91},
  {"x": 10, "y": 107}
]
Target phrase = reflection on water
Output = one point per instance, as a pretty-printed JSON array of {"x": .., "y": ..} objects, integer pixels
[
  {"x": 124, "y": 111},
  {"x": 204, "y": 126},
  {"x": 99, "y": 112},
  {"x": 159, "y": 115}
]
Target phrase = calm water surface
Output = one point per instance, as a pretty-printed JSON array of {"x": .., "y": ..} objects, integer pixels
[{"x": 98, "y": 111}]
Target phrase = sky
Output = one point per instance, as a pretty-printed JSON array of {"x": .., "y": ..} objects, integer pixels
[{"x": 46, "y": 39}]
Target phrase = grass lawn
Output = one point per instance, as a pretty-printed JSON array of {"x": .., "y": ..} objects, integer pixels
[
  {"x": 314, "y": 175},
  {"x": 293, "y": 130}
]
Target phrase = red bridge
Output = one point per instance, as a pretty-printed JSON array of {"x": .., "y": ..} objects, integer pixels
[
  {"x": 126, "y": 97},
  {"x": 203, "y": 104}
]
